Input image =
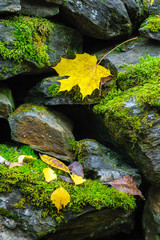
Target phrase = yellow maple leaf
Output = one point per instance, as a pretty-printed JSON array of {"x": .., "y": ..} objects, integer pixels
[
  {"x": 60, "y": 198},
  {"x": 54, "y": 162},
  {"x": 82, "y": 71},
  {"x": 77, "y": 179},
  {"x": 49, "y": 174}
]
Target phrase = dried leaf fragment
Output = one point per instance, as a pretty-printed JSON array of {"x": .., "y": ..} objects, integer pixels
[
  {"x": 126, "y": 184},
  {"x": 54, "y": 163},
  {"x": 49, "y": 174},
  {"x": 60, "y": 198}
]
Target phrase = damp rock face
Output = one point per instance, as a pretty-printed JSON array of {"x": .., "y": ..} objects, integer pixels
[
  {"x": 44, "y": 131},
  {"x": 10, "y": 6},
  {"x": 151, "y": 215},
  {"x": 98, "y": 19},
  {"x": 37, "y": 53},
  {"x": 6, "y": 103}
]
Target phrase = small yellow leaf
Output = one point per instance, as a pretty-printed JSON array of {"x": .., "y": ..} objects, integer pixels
[
  {"x": 77, "y": 179},
  {"x": 54, "y": 163},
  {"x": 49, "y": 174},
  {"x": 151, "y": 2},
  {"x": 82, "y": 71},
  {"x": 60, "y": 198}
]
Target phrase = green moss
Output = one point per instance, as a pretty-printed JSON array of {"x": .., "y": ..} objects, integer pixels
[
  {"x": 4, "y": 212},
  {"x": 20, "y": 204},
  {"x": 29, "y": 179},
  {"x": 77, "y": 148},
  {"x": 30, "y": 35},
  {"x": 153, "y": 23},
  {"x": 53, "y": 89},
  {"x": 29, "y": 107},
  {"x": 140, "y": 82}
]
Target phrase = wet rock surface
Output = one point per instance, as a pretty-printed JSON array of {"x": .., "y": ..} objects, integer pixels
[{"x": 45, "y": 131}]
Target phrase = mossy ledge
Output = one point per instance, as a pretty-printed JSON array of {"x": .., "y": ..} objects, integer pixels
[
  {"x": 29, "y": 179},
  {"x": 141, "y": 82},
  {"x": 152, "y": 23},
  {"x": 29, "y": 41}
]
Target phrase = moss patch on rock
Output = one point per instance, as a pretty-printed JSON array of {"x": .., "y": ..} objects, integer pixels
[
  {"x": 29, "y": 37},
  {"x": 140, "y": 82},
  {"x": 29, "y": 179},
  {"x": 152, "y": 23}
]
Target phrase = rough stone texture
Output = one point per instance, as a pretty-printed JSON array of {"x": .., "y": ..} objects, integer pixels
[
  {"x": 38, "y": 8},
  {"x": 6, "y": 103},
  {"x": 103, "y": 163},
  {"x": 98, "y": 19},
  {"x": 105, "y": 222},
  {"x": 29, "y": 218},
  {"x": 151, "y": 215},
  {"x": 10, "y": 6},
  {"x": 10, "y": 234},
  {"x": 146, "y": 151},
  {"x": 44, "y": 131},
  {"x": 134, "y": 9},
  {"x": 145, "y": 32},
  {"x": 62, "y": 40},
  {"x": 95, "y": 225},
  {"x": 155, "y": 8},
  {"x": 39, "y": 94},
  {"x": 129, "y": 55}
]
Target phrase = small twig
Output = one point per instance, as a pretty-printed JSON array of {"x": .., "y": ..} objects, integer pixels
[{"x": 135, "y": 38}]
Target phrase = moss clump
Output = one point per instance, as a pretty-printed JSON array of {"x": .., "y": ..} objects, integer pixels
[
  {"x": 140, "y": 82},
  {"x": 29, "y": 107},
  {"x": 29, "y": 179},
  {"x": 20, "y": 204},
  {"x": 30, "y": 35},
  {"x": 152, "y": 23},
  {"x": 4, "y": 212}
]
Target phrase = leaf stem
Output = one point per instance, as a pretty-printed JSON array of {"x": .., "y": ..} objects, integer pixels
[{"x": 135, "y": 38}]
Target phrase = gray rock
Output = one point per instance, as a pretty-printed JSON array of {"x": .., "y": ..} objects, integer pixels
[
  {"x": 103, "y": 223},
  {"x": 103, "y": 163},
  {"x": 145, "y": 151},
  {"x": 155, "y": 8},
  {"x": 43, "y": 130},
  {"x": 98, "y": 19},
  {"x": 145, "y": 32},
  {"x": 10, "y": 234},
  {"x": 62, "y": 42},
  {"x": 10, "y": 6},
  {"x": 28, "y": 218},
  {"x": 151, "y": 215},
  {"x": 41, "y": 93},
  {"x": 38, "y": 8},
  {"x": 116, "y": 61},
  {"x": 6, "y": 103}
]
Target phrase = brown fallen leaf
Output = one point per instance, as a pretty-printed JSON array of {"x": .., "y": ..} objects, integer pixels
[
  {"x": 76, "y": 168},
  {"x": 126, "y": 184}
]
